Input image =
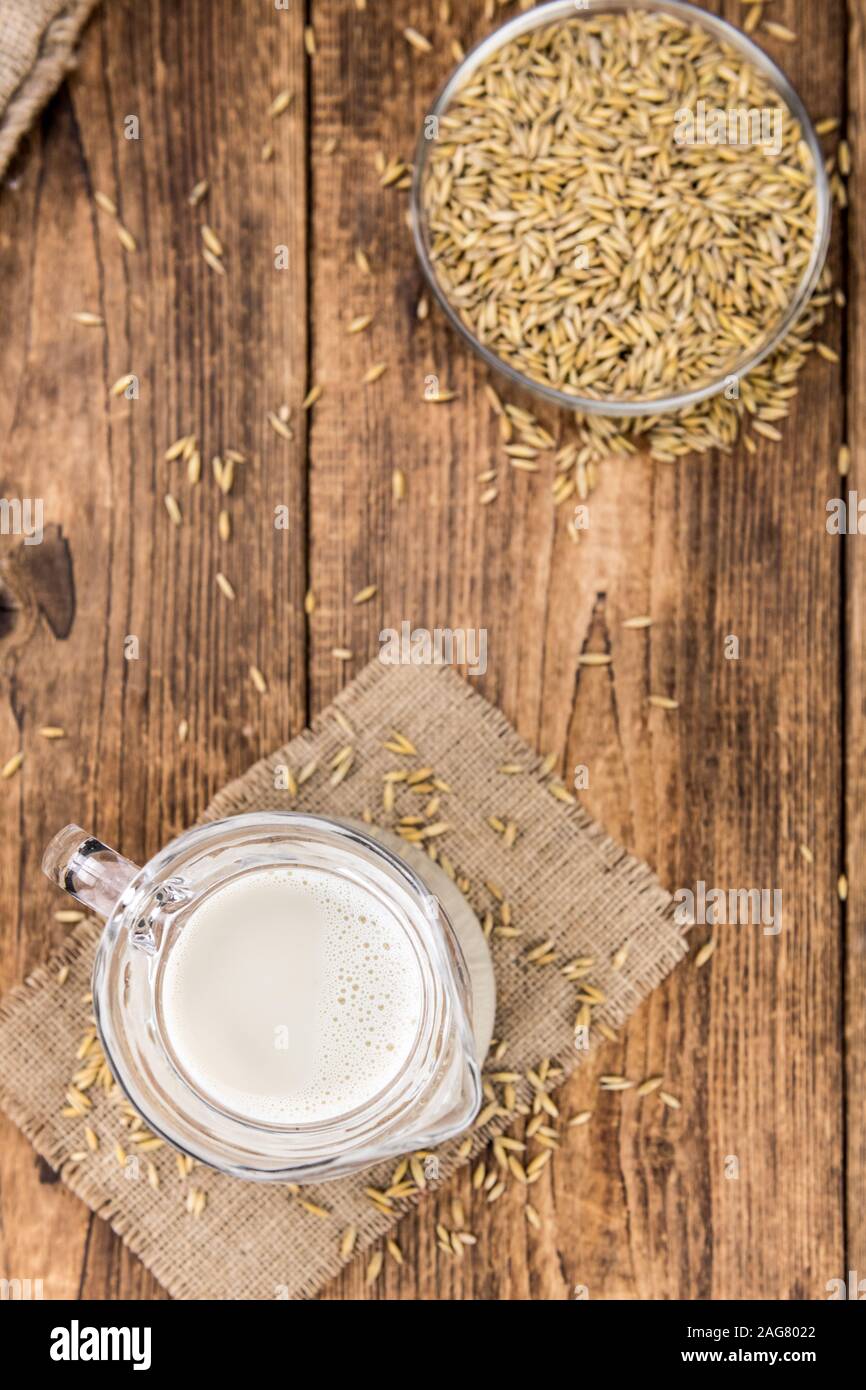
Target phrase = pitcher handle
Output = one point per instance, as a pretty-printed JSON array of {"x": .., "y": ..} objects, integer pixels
[{"x": 87, "y": 869}]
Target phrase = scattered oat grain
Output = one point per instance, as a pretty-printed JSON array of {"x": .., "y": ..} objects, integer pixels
[{"x": 11, "y": 767}]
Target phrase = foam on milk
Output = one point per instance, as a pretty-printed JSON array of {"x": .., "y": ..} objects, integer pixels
[{"x": 291, "y": 996}]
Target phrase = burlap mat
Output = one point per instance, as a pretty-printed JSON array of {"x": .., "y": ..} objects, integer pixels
[
  {"x": 563, "y": 878},
  {"x": 37, "y": 38}
]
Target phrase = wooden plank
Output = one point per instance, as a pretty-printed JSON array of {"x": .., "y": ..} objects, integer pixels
[
  {"x": 725, "y": 790},
  {"x": 213, "y": 354},
  {"x": 855, "y": 671}
]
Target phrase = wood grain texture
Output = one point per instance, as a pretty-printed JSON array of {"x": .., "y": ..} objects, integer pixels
[
  {"x": 854, "y": 563},
  {"x": 726, "y": 790}
]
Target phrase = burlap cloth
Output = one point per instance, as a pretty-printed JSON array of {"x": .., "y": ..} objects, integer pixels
[
  {"x": 37, "y": 39},
  {"x": 563, "y": 878}
]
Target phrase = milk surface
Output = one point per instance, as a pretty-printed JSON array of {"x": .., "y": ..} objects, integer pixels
[{"x": 291, "y": 996}]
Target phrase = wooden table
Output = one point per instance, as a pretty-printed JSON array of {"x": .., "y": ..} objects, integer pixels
[{"x": 764, "y": 1044}]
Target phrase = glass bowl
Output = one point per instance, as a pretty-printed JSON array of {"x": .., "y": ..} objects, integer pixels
[{"x": 542, "y": 17}]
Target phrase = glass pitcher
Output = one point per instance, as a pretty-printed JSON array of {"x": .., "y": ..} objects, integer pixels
[{"x": 433, "y": 1095}]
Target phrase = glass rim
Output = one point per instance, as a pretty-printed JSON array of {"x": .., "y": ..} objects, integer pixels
[{"x": 624, "y": 407}]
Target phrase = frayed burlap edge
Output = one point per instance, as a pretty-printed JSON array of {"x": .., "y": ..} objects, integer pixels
[{"x": 55, "y": 59}]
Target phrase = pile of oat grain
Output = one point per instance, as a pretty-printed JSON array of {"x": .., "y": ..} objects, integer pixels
[{"x": 589, "y": 249}]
